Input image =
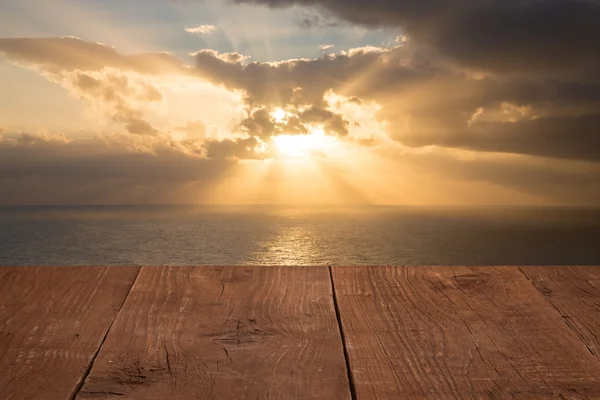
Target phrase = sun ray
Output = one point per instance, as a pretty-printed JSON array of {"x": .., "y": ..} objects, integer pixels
[
  {"x": 317, "y": 143},
  {"x": 347, "y": 192},
  {"x": 355, "y": 83}
]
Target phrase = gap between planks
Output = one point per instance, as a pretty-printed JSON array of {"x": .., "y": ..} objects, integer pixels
[
  {"x": 338, "y": 316},
  {"x": 91, "y": 364}
]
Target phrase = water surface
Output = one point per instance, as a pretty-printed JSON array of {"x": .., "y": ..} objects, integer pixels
[{"x": 203, "y": 235}]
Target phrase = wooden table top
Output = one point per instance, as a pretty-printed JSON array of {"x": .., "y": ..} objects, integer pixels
[{"x": 299, "y": 333}]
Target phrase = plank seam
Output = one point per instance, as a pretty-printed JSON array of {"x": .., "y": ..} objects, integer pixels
[
  {"x": 343, "y": 337},
  {"x": 95, "y": 355},
  {"x": 560, "y": 314}
]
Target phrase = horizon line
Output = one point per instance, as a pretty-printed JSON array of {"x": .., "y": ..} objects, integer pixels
[{"x": 300, "y": 205}]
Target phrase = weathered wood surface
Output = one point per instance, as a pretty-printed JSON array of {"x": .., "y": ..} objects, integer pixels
[
  {"x": 52, "y": 322},
  {"x": 223, "y": 333},
  {"x": 458, "y": 333},
  {"x": 575, "y": 294}
]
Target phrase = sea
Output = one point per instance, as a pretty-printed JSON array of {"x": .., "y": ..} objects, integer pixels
[{"x": 297, "y": 235}]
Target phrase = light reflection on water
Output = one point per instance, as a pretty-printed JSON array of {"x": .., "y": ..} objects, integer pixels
[
  {"x": 298, "y": 236},
  {"x": 291, "y": 246}
]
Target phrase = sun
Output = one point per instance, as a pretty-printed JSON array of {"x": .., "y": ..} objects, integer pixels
[
  {"x": 304, "y": 146},
  {"x": 279, "y": 115}
]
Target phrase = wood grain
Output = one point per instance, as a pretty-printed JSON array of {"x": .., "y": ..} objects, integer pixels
[
  {"x": 575, "y": 294},
  {"x": 458, "y": 333},
  {"x": 223, "y": 333},
  {"x": 52, "y": 322}
]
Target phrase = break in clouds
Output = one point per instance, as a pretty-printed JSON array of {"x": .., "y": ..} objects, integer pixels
[{"x": 481, "y": 101}]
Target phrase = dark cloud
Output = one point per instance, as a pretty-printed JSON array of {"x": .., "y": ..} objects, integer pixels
[
  {"x": 576, "y": 137},
  {"x": 497, "y": 35},
  {"x": 111, "y": 157},
  {"x": 332, "y": 123},
  {"x": 245, "y": 149},
  {"x": 262, "y": 122},
  {"x": 101, "y": 169},
  {"x": 562, "y": 182}
]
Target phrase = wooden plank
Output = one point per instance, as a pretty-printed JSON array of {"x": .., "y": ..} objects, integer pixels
[
  {"x": 52, "y": 322},
  {"x": 223, "y": 333},
  {"x": 458, "y": 333},
  {"x": 575, "y": 294}
]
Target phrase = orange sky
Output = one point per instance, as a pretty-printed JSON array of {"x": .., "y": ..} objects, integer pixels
[{"x": 228, "y": 104}]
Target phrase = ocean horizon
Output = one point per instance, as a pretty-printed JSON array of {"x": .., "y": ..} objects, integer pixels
[{"x": 298, "y": 235}]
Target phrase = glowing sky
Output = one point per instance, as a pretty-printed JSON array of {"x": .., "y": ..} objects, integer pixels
[{"x": 300, "y": 101}]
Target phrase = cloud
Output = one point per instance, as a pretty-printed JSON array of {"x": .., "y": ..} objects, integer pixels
[
  {"x": 262, "y": 123},
  {"x": 331, "y": 122},
  {"x": 576, "y": 137},
  {"x": 242, "y": 148},
  {"x": 325, "y": 47},
  {"x": 495, "y": 35},
  {"x": 118, "y": 94},
  {"x": 511, "y": 126},
  {"x": 573, "y": 137},
  {"x": 71, "y": 53},
  {"x": 303, "y": 80},
  {"x": 202, "y": 29},
  {"x": 423, "y": 101},
  {"x": 229, "y": 58},
  {"x": 116, "y": 168},
  {"x": 194, "y": 130},
  {"x": 111, "y": 169},
  {"x": 552, "y": 183},
  {"x": 99, "y": 169}
]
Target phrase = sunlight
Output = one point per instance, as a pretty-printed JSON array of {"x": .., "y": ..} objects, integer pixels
[
  {"x": 303, "y": 146},
  {"x": 279, "y": 115}
]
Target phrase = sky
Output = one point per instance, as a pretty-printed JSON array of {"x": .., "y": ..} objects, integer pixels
[{"x": 457, "y": 102}]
